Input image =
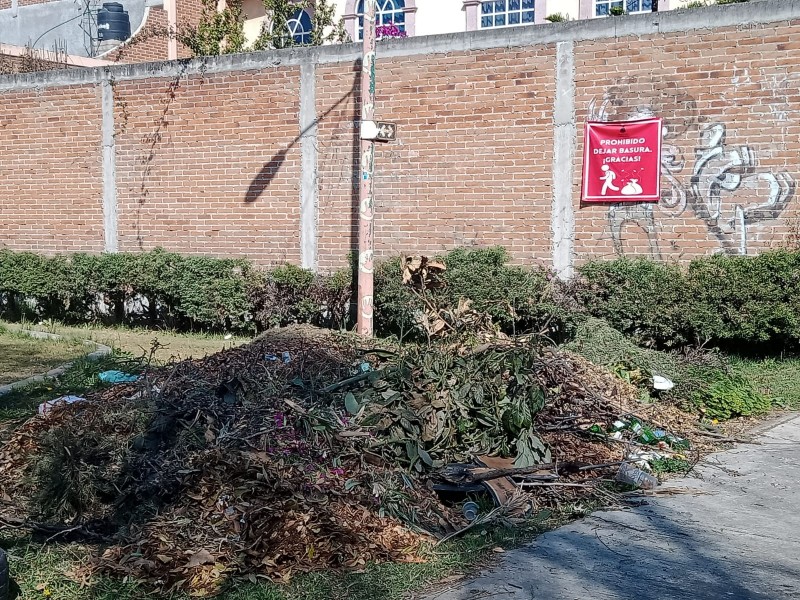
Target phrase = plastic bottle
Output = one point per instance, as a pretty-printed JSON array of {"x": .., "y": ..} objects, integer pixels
[
  {"x": 470, "y": 510},
  {"x": 633, "y": 476}
]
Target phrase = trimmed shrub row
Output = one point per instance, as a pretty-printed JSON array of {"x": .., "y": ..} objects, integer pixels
[
  {"x": 161, "y": 288},
  {"x": 518, "y": 299},
  {"x": 729, "y": 301},
  {"x": 736, "y": 302}
]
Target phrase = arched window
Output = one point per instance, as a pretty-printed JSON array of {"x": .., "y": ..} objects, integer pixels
[
  {"x": 300, "y": 27},
  {"x": 387, "y": 12}
]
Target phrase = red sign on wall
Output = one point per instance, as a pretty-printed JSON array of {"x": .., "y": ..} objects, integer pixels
[{"x": 622, "y": 161}]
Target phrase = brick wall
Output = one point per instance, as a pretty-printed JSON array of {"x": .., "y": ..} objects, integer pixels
[
  {"x": 192, "y": 168},
  {"x": 189, "y": 12},
  {"x": 731, "y": 93},
  {"x": 470, "y": 184},
  {"x": 150, "y": 44},
  {"x": 210, "y": 159},
  {"x": 50, "y": 182},
  {"x": 10, "y": 64}
]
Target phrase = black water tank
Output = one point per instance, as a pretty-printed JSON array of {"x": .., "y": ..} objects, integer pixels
[{"x": 113, "y": 23}]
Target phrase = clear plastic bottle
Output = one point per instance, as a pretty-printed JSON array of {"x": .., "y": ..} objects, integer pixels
[{"x": 633, "y": 476}]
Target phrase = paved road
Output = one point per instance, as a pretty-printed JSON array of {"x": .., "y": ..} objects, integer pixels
[{"x": 738, "y": 540}]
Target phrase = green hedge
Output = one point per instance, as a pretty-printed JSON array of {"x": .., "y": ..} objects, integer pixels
[
  {"x": 170, "y": 290},
  {"x": 730, "y": 301},
  {"x": 518, "y": 299},
  {"x": 184, "y": 292}
]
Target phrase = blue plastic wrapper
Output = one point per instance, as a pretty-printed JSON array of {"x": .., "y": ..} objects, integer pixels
[{"x": 117, "y": 377}]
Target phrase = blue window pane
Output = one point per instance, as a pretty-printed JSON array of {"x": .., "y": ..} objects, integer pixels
[
  {"x": 499, "y": 20},
  {"x": 527, "y": 16},
  {"x": 513, "y": 4},
  {"x": 647, "y": 5},
  {"x": 527, "y": 3},
  {"x": 305, "y": 20},
  {"x": 632, "y": 6},
  {"x": 486, "y": 21},
  {"x": 513, "y": 18},
  {"x": 299, "y": 27},
  {"x": 360, "y": 8},
  {"x": 601, "y": 10},
  {"x": 499, "y": 5},
  {"x": 617, "y": 5},
  {"x": 397, "y": 18},
  {"x": 486, "y": 8}
]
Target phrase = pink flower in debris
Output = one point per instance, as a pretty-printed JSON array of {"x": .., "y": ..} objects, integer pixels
[{"x": 338, "y": 472}]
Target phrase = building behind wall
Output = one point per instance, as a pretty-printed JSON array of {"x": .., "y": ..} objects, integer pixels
[
  {"x": 71, "y": 24},
  {"x": 73, "y": 27},
  {"x": 430, "y": 17}
]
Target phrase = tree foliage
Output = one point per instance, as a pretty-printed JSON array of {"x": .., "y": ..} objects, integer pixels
[{"x": 222, "y": 31}]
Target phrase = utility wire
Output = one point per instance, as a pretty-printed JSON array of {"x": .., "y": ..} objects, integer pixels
[{"x": 33, "y": 45}]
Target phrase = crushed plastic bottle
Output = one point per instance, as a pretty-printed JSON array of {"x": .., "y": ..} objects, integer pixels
[{"x": 632, "y": 476}]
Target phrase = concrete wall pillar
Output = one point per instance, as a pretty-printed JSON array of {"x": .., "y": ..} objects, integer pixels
[
  {"x": 309, "y": 186},
  {"x": 564, "y": 140},
  {"x": 109, "y": 154}
]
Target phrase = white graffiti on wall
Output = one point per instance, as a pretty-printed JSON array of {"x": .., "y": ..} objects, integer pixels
[{"x": 718, "y": 171}]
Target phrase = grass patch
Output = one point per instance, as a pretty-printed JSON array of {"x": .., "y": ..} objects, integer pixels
[
  {"x": 22, "y": 403},
  {"x": 778, "y": 378},
  {"x": 671, "y": 465},
  {"x": 603, "y": 345},
  {"x": 139, "y": 341},
  {"x": 22, "y": 356}
]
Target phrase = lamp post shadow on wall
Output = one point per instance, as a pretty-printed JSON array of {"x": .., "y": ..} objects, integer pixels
[{"x": 262, "y": 181}]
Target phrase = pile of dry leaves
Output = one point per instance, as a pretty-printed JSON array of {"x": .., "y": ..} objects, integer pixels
[{"x": 298, "y": 452}]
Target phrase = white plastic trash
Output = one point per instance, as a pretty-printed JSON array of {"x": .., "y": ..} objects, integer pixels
[
  {"x": 662, "y": 383},
  {"x": 46, "y": 407}
]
